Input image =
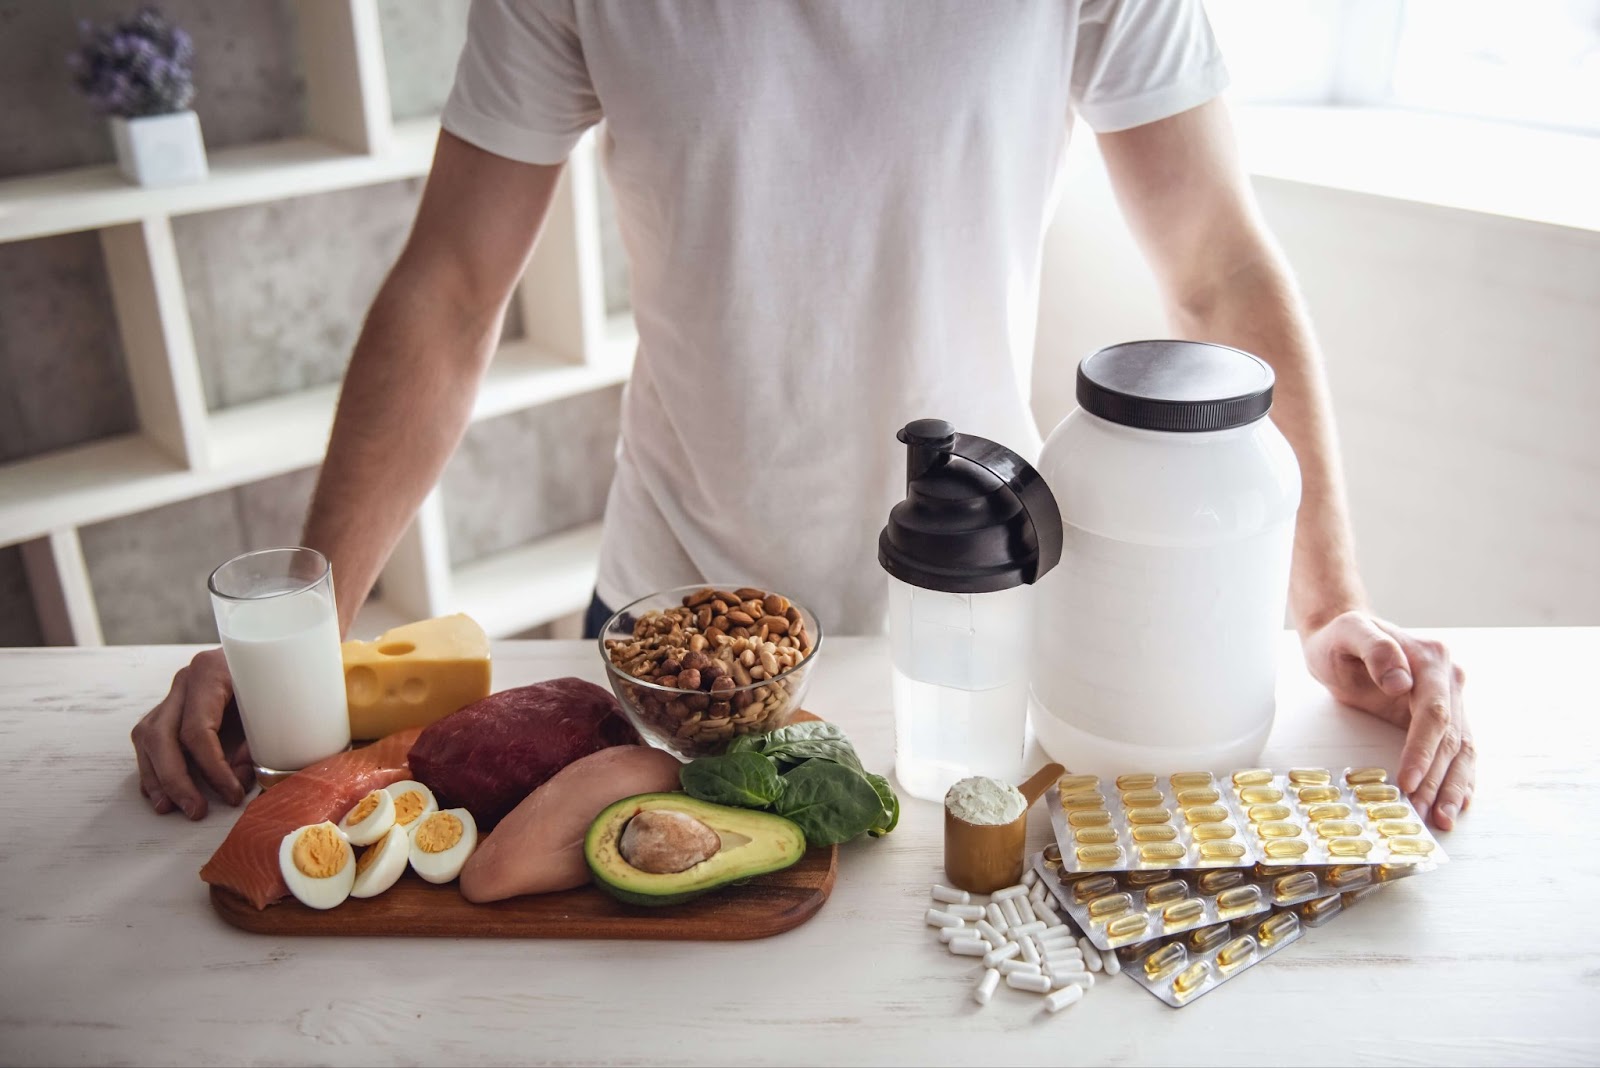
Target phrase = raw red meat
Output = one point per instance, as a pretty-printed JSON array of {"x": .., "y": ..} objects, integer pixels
[{"x": 490, "y": 755}]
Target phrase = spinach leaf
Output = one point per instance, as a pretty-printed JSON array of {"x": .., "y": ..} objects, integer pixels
[
  {"x": 745, "y": 780},
  {"x": 831, "y": 802},
  {"x": 746, "y": 743},
  {"x": 799, "y": 742},
  {"x": 891, "y": 806}
]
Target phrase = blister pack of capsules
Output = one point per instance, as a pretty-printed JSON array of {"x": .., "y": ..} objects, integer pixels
[{"x": 1195, "y": 819}]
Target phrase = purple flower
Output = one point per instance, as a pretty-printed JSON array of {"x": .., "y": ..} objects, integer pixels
[{"x": 142, "y": 65}]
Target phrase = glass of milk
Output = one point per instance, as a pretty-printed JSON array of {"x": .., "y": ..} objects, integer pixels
[{"x": 280, "y": 632}]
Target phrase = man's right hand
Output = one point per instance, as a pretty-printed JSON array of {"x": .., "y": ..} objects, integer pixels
[{"x": 181, "y": 739}]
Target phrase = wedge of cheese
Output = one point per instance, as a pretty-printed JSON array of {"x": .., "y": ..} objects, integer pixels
[{"x": 413, "y": 675}]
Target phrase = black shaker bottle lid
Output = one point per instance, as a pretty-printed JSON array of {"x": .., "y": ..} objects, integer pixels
[
  {"x": 1181, "y": 386},
  {"x": 976, "y": 518}
]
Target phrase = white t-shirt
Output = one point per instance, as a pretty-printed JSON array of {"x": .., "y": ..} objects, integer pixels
[{"x": 834, "y": 212}]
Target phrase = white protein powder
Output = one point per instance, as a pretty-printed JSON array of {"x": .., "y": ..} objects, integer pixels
[{"x": 985, "y": 801}]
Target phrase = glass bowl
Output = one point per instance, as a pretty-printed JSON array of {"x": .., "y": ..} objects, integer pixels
[{"x": 704, "y": 720}]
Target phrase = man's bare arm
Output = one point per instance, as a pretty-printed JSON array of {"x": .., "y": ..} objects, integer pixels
[{"x": 427, "y": 341}]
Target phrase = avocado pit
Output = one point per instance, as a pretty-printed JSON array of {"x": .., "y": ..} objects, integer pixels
[{"x": 664, "y": 842}]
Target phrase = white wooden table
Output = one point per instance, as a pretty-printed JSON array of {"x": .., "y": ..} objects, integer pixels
[{"x": 109, "y": 952}]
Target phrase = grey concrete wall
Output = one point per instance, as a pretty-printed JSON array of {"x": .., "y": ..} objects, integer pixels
[
  {"x": 422, "y": 39},
  {"x": 19, "y": 625},
  {"x": 248, "y": 85}
]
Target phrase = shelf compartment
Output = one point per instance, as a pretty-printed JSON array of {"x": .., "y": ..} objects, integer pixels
[{"x": 531, "y": 585}]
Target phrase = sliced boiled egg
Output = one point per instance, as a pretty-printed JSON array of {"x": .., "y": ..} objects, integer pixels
[
  {"x": 318, "y": 864},
  {"x": 441, "y": 842},
  {"x": 412, "y": 801},
  {"x": 381, "y": 866},
  {"x": 370, "y": 820}
]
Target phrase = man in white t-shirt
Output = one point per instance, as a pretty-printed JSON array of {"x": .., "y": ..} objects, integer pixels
[{"x": 833, "y": 212}]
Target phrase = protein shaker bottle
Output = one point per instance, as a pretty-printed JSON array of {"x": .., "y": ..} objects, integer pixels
[{"x": 977, "y": 528}]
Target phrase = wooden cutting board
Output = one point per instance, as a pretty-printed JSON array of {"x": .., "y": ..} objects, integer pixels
[{"x": 765, "y": 906}]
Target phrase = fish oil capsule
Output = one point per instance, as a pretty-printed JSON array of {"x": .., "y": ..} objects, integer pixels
[
  {"x": 1184, "y": 779},
  {"x": 1161, "y": 893},
  {"x": 1388, "y": 812},
  {"x": 1277, "y": 927},
  {"x": 1260, "y": 795},
  {"x": 1155, "y": 832},
  {"x": 1148, "y": 877},
  {"x": 1359, "y": 894},
  {"x": 1240, "y": 897},
  {"x": 1190, "y": 979},
  {"x": 1180, "y": 913},
  {"x": 1266, "y": 813},
  {"x": 1052, "y": 854},
  {"x": 1110, "y": 905},
  {"x": 1286, "y": 848},
  {"x": 1128, "y": 926},
  {"x": 1204, "y": 795},
  {"x": 1075, "y": 802},
  {"x": 1166, "y": 960},
  {"x": 1205, "y": 814},
  {"x": 1328, "y": 812},
  {"x": 1098, "y": 817},
  {"x": 1141, "y": 798},
  {"x": 1094, "y": 886},
  {"x": 1098, "y": 855},
  {"x": 1322, "y": 909},
  {"x": 1416, "y": 847},
  {"x": 1214, "y": 882},
  {"x": 1362, "y": 776},
  {"x": 1395, "y": 828},
  {"x": 1277, "y": 830},
  {"x": 1310, "y": 776},
  {"x": 1338, "y": 828},
  {"x": 1094, "y": 835},
  {"x": 1136, "y": 782},
  {"x": 1354, "y": 847},
  {"x": 1221, "y": 850},
  {"x": 1148, "y": 815},
  {"x": 1312, "y": 794},
  {"x": 1349, "y": 876},
  {"x": 1208, "y": 938},
  {"x": 1298, "y": 884},
  {"x": 1210, "y": 832},
  {"x": 1068, "y": 784},
  {"x": 1252, "y": 777},
  {"x": 1163, "y": 851},
  {"x": 1376, "y": 791},
  {"x": 1236, "y": 952}
]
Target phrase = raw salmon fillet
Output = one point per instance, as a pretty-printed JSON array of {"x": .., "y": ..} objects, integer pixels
[{"x": 247, "y": 860}]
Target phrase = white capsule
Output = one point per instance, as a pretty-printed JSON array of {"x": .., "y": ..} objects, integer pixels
[
  {"x": 991, "y": 933},
  {"x": 986, "y": 987},
  {"x": 968, "y": 947},
  {"x": 950, "y": 934},
  {"x": 966, "y": 912},
  {"x": 1008, "y": 909},
  {"x": 1061, "y": 979},
  {"x": 1056, "y": 930},
  {"x": 1091, "y": 955},
  {"x": 997, "y": 919},
  {"x": 1005, "y": 952},
  {"x": 1044, "y": 912},
  {"x": 949, "y": 895},
  {"x": 1064, "y": 964},
  {"x": 1067, "y": 995},
  {"x": 1007, "y": 967},
  {"x": 1059, "y": 945},
  {"x": 1029, "y": 928},
  {"x": 1032, "y": 982},
  {"x": 936, "y": 918},
  {"x": 1029, "y": 878},
  {"x": 1008, "y": 893},
  {"x": 1111, "y": 962}
]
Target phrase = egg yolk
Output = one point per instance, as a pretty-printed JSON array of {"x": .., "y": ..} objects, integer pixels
[
  {"x": 366, "y": 859},
  {"x": 319, "y": 852},
  {"x": 440, "y": 832},
  {"x": 366, "y": 807},
  {"x": 407, "y": 807}
]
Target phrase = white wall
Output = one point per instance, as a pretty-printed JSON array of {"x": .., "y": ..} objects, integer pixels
[{"x": 1463, "y": 352}]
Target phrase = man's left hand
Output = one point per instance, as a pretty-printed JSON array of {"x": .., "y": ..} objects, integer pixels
[{"x": 1411, "y": 682}]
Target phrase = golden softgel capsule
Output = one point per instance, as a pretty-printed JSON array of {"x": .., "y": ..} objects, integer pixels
[
  {"x": 1360, "y": 776},
  {"x": 1395, "y": 828},
  {"x": 1355, "y": 847},
  {"x": 1094, "y": 886},
  {"x": 1071, "y": 783},
  {"x": 1268, "y": 813},
  {"x": 1208, "y": 938},
  {"x": 1376, "y": 791},
  {"x": 1147, "y": 878},
  {"x": 1077, "y": 802},
  {"x": 1313, "y": 794},
  {"x": 1089, "y": 817},
  {"x": 1236, "y": 952},
  {"x": 1260, "y": 795},
  {"x": 1328, "y": 812},
  {"x": 1286, "y": 848},
  {"x": 1141, "y": 798},
  {"x": 1128, "y": 926},
  {"x": 1184, "y": 779},
  {"x": 1094, "y": 835},
  {"x": 1183, "y": 912},
  {"x": 1161, "y": 893},
  {"x": 1210, "y": 832},
  {"x": 1148, "y": 815},
  {"x": 1136, "y": 782},
  {"x": 1277, "y": 830},
  {"x": 1221, "y": 850},
  {"x": 1338, "y": 829},
  {"x": 1161, "y": 852},
  {"x": 1110, "y": 905},
  {"x": 1252, "y": 777},
  {"x": 1310, "y": 776},
  {"x": 1155, "y": 832},
  {"x": 1240, "y": 897},
  {"x": 1299, "y": 884},
  {"x": 1188, "y": 980},
  {"x": 1411, "y": 846},
  {"x": 1388, "y": 812},
  {"x": 1200, "y": 795},
  {"x": 1098, "y": 855},
  {"x": 1276, "y": 928},
  {"x": 1214, "y": 882},
  {"x": 1165, "y": 960},
  {"x": 1205, "y": 814}
]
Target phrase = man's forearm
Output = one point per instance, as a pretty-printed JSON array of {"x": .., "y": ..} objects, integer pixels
[
  {"x": 405, "y": 403},
  {"x": 1259, "y": 310}
]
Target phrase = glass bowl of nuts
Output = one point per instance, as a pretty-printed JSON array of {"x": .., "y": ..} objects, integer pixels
[{"x": 697, "y": 666}]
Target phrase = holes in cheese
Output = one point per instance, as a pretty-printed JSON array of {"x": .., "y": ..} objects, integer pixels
[{"x": 413, "y": 675}]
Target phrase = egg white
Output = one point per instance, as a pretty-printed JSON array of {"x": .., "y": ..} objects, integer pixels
[
  {"x": 375, "y": 826},
  {"x": 446, "y": 865},
  {"x": 393, "y": 850},
  {"x": 313, "y": 892},
  {"x": 430, "y": 804}
]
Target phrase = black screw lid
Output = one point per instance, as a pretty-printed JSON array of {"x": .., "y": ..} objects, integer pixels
[
  {"x": 1181, "y": 386},
  {"x": 976, "y": 517}
]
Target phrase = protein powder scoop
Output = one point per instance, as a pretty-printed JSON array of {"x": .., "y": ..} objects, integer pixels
[{"x": 986, "y": 829}]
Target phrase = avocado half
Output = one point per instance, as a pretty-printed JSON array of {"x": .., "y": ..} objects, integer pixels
[{"x": 753, "y": 843}]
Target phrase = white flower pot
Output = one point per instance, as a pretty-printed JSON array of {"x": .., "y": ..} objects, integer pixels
[{"x": 160, "y": 149}]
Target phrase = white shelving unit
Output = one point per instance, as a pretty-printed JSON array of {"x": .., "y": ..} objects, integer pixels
[{"x": 181, "y": 450}]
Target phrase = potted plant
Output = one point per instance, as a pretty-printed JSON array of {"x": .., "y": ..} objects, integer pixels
[{"x": 139, "y": 71}]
